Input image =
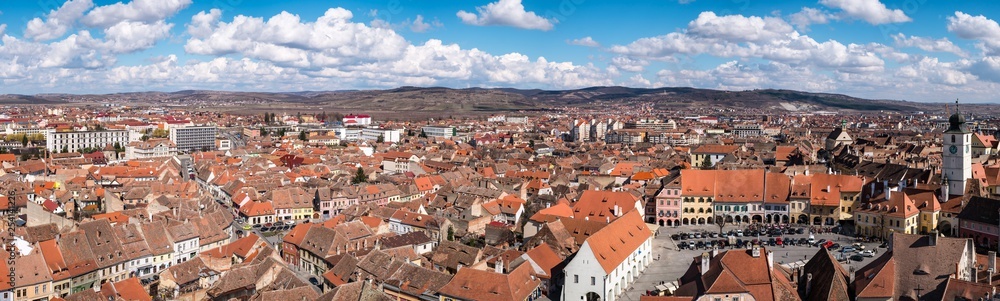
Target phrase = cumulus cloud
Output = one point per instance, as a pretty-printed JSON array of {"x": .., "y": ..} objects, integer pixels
[
  {"x": 129, "y": 36},
  {"x": 928, "y": 44},
  {"x": 137, "y": 10},
  {"x": 419, "y": 25},
  {"x": 809, "y": 16},
  {"x": 980, "y": 28},
  {"x": 585, "y": 41},
  {"x": 739, "y": 36},
  {"x": 58, "y": 21},
  {"x": 628, "y": 64},
  {"x": 506, "y": 13},
  {"x": 872, "y": 11}
]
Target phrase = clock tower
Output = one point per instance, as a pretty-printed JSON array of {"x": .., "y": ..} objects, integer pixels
[{"x": 956, "y": 155}]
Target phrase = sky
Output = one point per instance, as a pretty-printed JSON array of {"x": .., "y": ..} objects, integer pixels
[{"x": 916, "y": 50}]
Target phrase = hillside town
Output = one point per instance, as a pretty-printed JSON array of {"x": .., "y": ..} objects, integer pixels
[{"x": 162, "y": 203}]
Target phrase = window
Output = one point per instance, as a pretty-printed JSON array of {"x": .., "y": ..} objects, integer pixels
[
  {"x": 593, "y": 280},
  {"x": 576, "y": 278}
]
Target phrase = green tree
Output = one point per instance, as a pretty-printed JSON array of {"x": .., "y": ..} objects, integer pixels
[
  {"x": 451, "y": 233},
  {"x": 303, "y": 136},
  {"x": 118, "y": 147},
  {"x": 380, "y": 139},
  {"x": 263, "y": 132},
  {"x": 144, "y": 137},
  {"x": 423, "y": 134},
  {"x": 65, "y": 149},
  {"x": 3, "y": 150},
  {"x": 359, "y": 176},
  {"x": 25, "y": 156},
  {"x": 24, "y": 140},
  {"x": 531, "y": 143}
]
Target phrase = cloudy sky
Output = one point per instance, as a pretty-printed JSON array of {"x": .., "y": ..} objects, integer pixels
[{"x": 908, "y": 49}]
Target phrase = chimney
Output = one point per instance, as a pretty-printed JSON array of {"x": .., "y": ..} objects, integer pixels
[
  {"x": 704, "y": 262},
  {"x": 992, "y": 265},
  {"x": 617, "y": 211},
  {"x": 715, "y": 251},
  {"x": 770, "y": 260},
  {"x": 809, "y": 280},
  {"x": 888, "y": 192},
  {"x": 607, "y": 219},
  {"x": 499, "y": 266},
  {"x": 755, "y": 251},
  {"x": 932, "y": 238}
]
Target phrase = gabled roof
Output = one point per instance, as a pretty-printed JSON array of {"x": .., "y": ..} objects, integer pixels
[{"x": 616, "y": 241}]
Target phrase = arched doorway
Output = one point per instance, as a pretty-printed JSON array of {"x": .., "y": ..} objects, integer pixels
[
  {"x": 817, "y": 221},
  {"x": 758, "y": 218},
  {"x": 746, "y": 219},
  {"x": 830, "y": 221},
  {"x": 803, "y": 219},
  {"x": 684, "y": 221},
  {"x": 701, "y": 220},
  {"x": 710, "y": 220},
  {"x": 784, "y": 219},
  {"x": 944, "y": 227},
  {"x": 662, "y": 223},
  {"x": 592, "y": 296},
  {"x": 729, "y": 219}
]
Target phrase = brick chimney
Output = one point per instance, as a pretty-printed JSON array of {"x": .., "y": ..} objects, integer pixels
[{"x": 705, "y": 262}]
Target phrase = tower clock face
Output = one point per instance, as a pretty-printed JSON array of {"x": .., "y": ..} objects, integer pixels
[{"x": 953, "y": 149}]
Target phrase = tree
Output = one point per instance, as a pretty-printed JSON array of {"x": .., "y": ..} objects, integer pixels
[
  {"x": 531, "y": 143},
  {"x": 3, "y": 150},
  {"x": 380, "y": 139},
  {"x": 721, "y": 222},
  {"x": 451, "y": 233},
  {"x": 24, "y": 157},
  {"x": 472, "y": 143},
  {"x": 706, "y": 163},
  {"x": 118, "y": 147},
  {"x": 65, "y": 149},
  {"x": 144, "y": 137},
  {"x": 303, "y": 136},
  {"x": 359, "y": 176},
  {"x": 263, "y": 132},
  {"x": 423, "y": 134},
  {"x": 24, "y": 140},
  {"x": 160, "y": 133}
]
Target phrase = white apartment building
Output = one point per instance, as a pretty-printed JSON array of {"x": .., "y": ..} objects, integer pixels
[
  {"x": 152, "y": 148},
  {"x": 194, "y": 138},
  {"x": 76, "y": 141},
  {"x": 347, "y": 134},
  {"x": 388, "y": 135},
  {"x": 440, "y": 131}
]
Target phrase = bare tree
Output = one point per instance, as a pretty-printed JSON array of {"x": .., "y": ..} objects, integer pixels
[{"x": 721, "y": 222}]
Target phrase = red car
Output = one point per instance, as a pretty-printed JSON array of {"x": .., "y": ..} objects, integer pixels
[
  {"x": 827, "y": 244},
  {"x": 778, "y": 241}
]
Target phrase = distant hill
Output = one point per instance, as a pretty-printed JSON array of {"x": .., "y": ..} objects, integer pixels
[{"x": 440, "y": 99}]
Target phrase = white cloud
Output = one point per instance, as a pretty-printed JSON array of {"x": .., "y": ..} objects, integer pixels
[
  {"x": 987, "y": 31},
  {"x": 202, "y": 24},
  {"x": 506, "y": 13},
  {"x": 872, "y": 11},
  {"x": 585, "y": 41},
  {"x": 736, "y": 36},
  {"x": 739, "y": 28},
  {"x": 127, "y": 36},
  {"x": 3, "y": 27},
  {"x": 638, "y": 81},
  {"x": 58, "y": 21},
  {"x": 928, "y": 44},
  {"x": 419, "y": 25},
  {"x": 628, "y": 64},
  {"x": 808, "y": 16},
  {"x": 137, "y": 10}
]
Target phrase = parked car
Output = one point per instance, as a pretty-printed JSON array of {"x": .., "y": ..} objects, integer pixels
[
  {"x": 820, "y": 242},
  {"x": 675, "y": 237},
  {"x": 834, "y": 246},
  {"x": 779, "y": 241},
  {"x": 828, "y": 245},
  {"x": 800, "y": 230},
  {"x": 857, "y": 258},
  {"x": 867, "y": 253},
  {"x": 682, "y": 245},
  {"x": 803, "y": 241},
  {"x": 713, "y": 235},
  {"x": 859, "y": 246},
  {"x": 699, "y": 245},
  {"x": 770, "y": 241},
  {"x": 290, "y": 222},
  {"x": 848, "y": 249},
  {"x": 739, "y": 233},
  {"x": 268, "y": 225}
]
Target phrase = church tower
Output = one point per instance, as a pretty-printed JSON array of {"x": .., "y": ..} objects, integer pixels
[{"x": 957, "y": 154}]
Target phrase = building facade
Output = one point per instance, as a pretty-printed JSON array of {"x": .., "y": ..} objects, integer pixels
[
  {"x": 194, "y": 138},
  {"x": 77, "y": 141}
]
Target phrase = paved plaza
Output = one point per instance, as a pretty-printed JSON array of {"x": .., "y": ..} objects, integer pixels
[{"x": 670, "y": 263}]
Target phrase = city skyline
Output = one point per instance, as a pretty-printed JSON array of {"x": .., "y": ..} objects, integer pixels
[{"x": 908, "y": 50}]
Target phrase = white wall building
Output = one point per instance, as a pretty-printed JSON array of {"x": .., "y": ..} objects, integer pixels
[
  {"x": 440, "y": 131},
  {"x": 76, "y": 141},
  {"x": 152, "y": 148},
  {"x": 388, "y": 135},
  {"x": 609, "y": 261},
  {"x": 194, "y": 138}
]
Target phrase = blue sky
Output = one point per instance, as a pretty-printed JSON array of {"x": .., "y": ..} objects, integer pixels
[{"x": 914, "y": 50}]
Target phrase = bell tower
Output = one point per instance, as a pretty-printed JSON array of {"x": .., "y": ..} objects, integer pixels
[{"x": 956, "y": 154}]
